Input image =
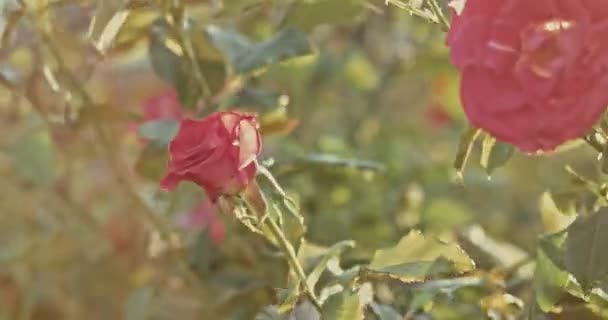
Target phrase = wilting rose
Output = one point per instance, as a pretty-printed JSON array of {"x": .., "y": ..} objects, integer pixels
[
  {"x": 534, "y": 72},
  {"x": 218, "y": 153}
]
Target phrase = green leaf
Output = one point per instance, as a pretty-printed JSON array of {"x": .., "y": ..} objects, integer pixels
[
  {"x": 549, "y": 280},
  {"x": 334, "y": 251},
  {"x": 305, "y": 15},
  {"x": 553, "y": 218},
  {"x": 585, "y": 254},
  {"x": 495, "y": 154},
  {"x": 286, "y": 44},
  {"x": 245, "y": 56},
  {"x": 138, "y": 303},
  {"x": 566, "y": 201},
  {"x": 553, "y": 246},
  {"x": 170, "y": 63},
  {"x": 160, "y": 132},
  {"x": 417, "y": 258},
  {"x": 342, "y": 306},
  {"x": 263, "y": 100},
  {"x": 229, "y": 42},
  {"x": 464, "y": 150},
  {"x": 34, "y": 157}
]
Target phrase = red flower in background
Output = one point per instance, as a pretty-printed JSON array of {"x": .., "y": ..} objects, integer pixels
[
  {"x": 437, "y": 116},
  {"x": 217, "y": 153},
  {"x": 204, "y": 216},
  {"x": 534, "y": 72},
  {"x": 163, "y": 106}
]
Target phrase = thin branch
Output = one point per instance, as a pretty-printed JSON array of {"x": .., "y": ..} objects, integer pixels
[{"x": 110, "y": 154}]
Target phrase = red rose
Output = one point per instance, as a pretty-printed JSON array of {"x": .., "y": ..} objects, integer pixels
[
  {"x": 534, "y": 72},
  {"x": 163, "y": 106},
  {"x": 216, "y": 152}
]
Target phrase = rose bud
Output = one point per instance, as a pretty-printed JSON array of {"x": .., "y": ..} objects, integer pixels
[{"x": 217, "y": 153}]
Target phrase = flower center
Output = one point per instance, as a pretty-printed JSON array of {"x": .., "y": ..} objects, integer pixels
[{"x": 541, "y": 49}]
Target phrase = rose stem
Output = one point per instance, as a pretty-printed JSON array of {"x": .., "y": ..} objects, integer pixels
[{"x": 293, "y": 260}]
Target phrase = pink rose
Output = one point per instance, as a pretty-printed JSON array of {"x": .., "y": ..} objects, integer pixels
[
  {"x": 204, "y": 216},
  {"x": 218, "y": 153},
  {"x": 164, "y": 106},
  {"x": 534, "y": 72}
]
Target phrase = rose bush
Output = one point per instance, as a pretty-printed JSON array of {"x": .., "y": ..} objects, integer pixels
[
  {"x": 534, "y": 73},
  {"x": 217, "y": 153}
]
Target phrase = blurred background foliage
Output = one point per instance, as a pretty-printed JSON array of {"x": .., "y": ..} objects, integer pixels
[{"x": 361, "y": 118}]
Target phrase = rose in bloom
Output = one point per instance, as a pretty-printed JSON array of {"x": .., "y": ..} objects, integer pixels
[
  {"x": 534, "y": 72},
  {"x": 217, "y": 153}
]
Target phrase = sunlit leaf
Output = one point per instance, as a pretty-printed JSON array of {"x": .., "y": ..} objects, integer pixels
[
  {"x": 418, "y": 258},
  {"x": 334, "y": 251},
  {"x": 556, "y": 217},
  {"x": 495, "y": 154},
  {"x": 342, "y": 306},
  {"x": 566, "y": 201}
]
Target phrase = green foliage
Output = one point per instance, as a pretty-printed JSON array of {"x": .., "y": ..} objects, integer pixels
[
  {"x": 550, "y": 281},
  {"x": 362, "y": 130},
  {"x": 495, "y": 154},
  {"x": 343, "y": 306},
  {"x": 245, "y": 56},
  {"x": 418, "y": 258},
  {"x": 586, "y": 238}
]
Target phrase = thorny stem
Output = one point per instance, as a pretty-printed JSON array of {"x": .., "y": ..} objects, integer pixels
[
  {"x": 288, "y": 249},
  {"x": 110, "y": 154},
  {"x": 278, "y": 234},
  {"x": 443, "y": 21}
]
